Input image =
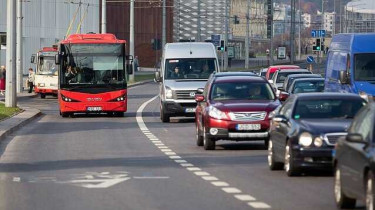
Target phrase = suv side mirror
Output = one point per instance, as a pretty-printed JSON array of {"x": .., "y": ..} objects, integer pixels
[
  {"x": 199, "y": 98},
  {"x": 200, "y": 90},
  {"x": 280, "y": 119},
  {"x": 57, "y": 59},
  {"x": 355, "y": 138},
  {"x": 344, "y": 77},
  {"x": 32, "y": 60},
  {"x": 157, "y": 76}
]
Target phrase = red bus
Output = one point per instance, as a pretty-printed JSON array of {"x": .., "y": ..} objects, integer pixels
[{"x": 93, "y": 71}]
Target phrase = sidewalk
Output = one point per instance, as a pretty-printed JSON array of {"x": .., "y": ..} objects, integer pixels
[{"x": 20, "y": 95}]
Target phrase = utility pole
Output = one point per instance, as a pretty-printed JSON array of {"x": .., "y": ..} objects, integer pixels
[
  {"x": 299, "y": 29},
  {"x": 226, "y": 35},
  {"x": 10, "y": 93},
  {"x": 19, "y": 48},
  {"x": 271, "y": 38},
  {"x": 104, "y": 16},
  {"x": 164, "y": 25},
  {"x": 247, "y": 45},
  {"x": 131, "y": 37},
  {"x": 292, "y": 30},
  {"x": 199, "y": 31}
]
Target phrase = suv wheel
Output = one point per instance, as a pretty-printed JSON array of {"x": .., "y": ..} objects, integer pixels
[
  {"x": 342, "y": 201},
  {"x": 208, "y": 143},
  {"x": 273, "y": 165},
  {"x": 163, "y": 116},
  {"x": 199, "y": 137},
  {"x": 289, "y": 166}
]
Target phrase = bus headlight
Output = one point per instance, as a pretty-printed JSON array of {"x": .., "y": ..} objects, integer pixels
[
  {"x": 305, "y": 139},
  {"x": 66, "y": 99},
  {"x": 118, "y": 99}
]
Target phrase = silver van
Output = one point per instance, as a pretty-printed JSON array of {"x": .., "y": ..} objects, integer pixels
[{"x": 184, "y": 68}]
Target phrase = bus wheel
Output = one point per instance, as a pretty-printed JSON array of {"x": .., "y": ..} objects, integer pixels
[
  {"x": 42, "y": 95},
  {"x": 119, "y": 114}
]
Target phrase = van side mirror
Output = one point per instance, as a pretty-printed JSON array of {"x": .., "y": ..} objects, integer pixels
[
  {"x": 344, "y": 77},
  {"x": 157, "y": 76},
  {"x": 32, "y": 60},
  {"x": 57, "y": 59},
  {"x": 200, "y": 90},
  {"x": 129, "y": 68}
]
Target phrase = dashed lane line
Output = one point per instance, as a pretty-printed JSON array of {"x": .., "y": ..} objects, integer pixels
[{"x": 224, "y": 186}]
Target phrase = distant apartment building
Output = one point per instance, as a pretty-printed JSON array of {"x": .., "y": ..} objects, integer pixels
[
  {"x": 187, "y": 14},
  {"x": 329, "y": 21},
  {"x": 306, "y": 19},
  {"x": 281, "y": 18},
  {"x": 359, "y": 16}
]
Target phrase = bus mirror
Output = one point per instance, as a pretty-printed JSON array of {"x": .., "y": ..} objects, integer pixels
[
  {"x": 129, "y": 68},
  {"x": 157, "y": 76},
  {"x": 344, "y": 77},
  {"x": 57, "y": 59},
  {"x": 129, "y": 58},
  {"x": 32, "y": 60}
]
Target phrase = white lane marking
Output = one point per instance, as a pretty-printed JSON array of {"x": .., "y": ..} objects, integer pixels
[
  {"x": 259, "y": 205},
  {"x": 237, "y": 193},
  {"x": 150, "y": 177},
  {"x": 210, "y": 178},
  {"x": 231, "y": 190},
  {"x": 244, "y": 197},
  {"x": 193, "y": 169},
  {"x": 201, "y": 173},
  {"x": 220, "y": 184}
]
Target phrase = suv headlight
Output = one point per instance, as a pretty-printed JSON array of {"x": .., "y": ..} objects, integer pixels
[
  {"x": 168, "y": 93},
  {"x": 216, "y": 113},
  {"x": 305, "y": 139}
]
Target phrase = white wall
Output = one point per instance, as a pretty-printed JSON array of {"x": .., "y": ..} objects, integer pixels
[{"x": 46, "y": 22}]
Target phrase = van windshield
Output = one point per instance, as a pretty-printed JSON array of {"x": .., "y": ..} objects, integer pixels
[
  {"x": 364, "y": 67},
  {"x": 192, "y": 68}
]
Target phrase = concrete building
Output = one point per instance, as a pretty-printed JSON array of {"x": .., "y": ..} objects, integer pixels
[
  {"x": 185, "y": 19},
  {"x": 329, "y": 21},
  {"x": 359, "y": 16},
  {"x": 46, "y": 22},
  {"x": 306, "y": 19}
]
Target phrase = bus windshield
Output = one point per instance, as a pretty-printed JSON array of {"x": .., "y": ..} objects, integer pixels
[
  {"x": 192, "y": 68},
  {"x": 47, "y": 65},
  {"x": 93, "y": 65}
]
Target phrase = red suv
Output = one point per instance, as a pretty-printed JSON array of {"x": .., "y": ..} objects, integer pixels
[{"x": 234, "y": 108}]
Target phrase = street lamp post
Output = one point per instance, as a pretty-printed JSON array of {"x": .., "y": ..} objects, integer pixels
[
  {"x": 10, "y": 93},
  {"x": 131, "y": 37},
  {"x": 19, "y": 47}
]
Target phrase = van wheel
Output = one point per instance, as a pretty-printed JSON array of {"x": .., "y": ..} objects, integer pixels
[
  {"x": 208, "y": 143},
  {"x": 342, "y": 201},
  {"x": 163, "y": 116},
  {"x": 42, "y": 95}
]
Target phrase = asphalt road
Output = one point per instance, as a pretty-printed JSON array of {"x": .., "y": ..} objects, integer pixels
[{"x": 137, "y": 162}]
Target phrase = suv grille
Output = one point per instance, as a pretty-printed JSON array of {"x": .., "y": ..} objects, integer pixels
[
  {"x": 185, "y": 94},
  {"x": 331, "y": 138},
  {"x": 248, "y": 116}
]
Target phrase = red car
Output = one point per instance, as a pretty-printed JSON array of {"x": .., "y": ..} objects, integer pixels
[
  {"x": 272, "y": 69},
  {"x": 234, "y": 108}
]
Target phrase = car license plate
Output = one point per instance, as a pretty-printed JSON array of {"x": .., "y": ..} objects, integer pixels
[
  {"x": 94, "y": 109},
  {"x": 189, "y": 110},
  {"x": 248, "y": 127}
]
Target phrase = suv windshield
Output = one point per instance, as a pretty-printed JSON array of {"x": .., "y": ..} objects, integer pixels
[
  {"x": 193, "y": 68},
  {"x": 241, "y": 91},
  {"x": 308, "y": 86},
  {"x": 47, "y": 65},
  {"x": 327, "y": 108},
  {"x": 94, "y": 64},
  {"x": 364, "y": 67}
]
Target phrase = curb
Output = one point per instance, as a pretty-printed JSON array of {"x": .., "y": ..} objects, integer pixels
[{"x": 14, "y": 123}]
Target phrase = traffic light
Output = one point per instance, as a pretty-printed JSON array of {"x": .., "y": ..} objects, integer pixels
[
  {"x": 318, "y": 45},
  {"x": 236, "y": 20},
  {"x": 222, "y": 46}
]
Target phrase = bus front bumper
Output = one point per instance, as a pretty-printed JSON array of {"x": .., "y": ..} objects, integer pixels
[
  {"x": 81, "y": 107},
  {"x": 45, "y": 90}
]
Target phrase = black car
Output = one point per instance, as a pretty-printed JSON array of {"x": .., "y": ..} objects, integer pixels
[
  {"x": 305, "y": 129},
  {"x": 354, "y": 162},
  {"x": 290, "y": 78},
  {"x": 306, "y": 85}
]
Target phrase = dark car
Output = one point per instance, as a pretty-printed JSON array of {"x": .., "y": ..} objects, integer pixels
[
  {"x": 234, "y": 108},
  {"x": 305, "y": 129},
  {"x": 306, "y": 85},
  {"x": 290, "y": 78},
  {"x": 354, "y": 161}
]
